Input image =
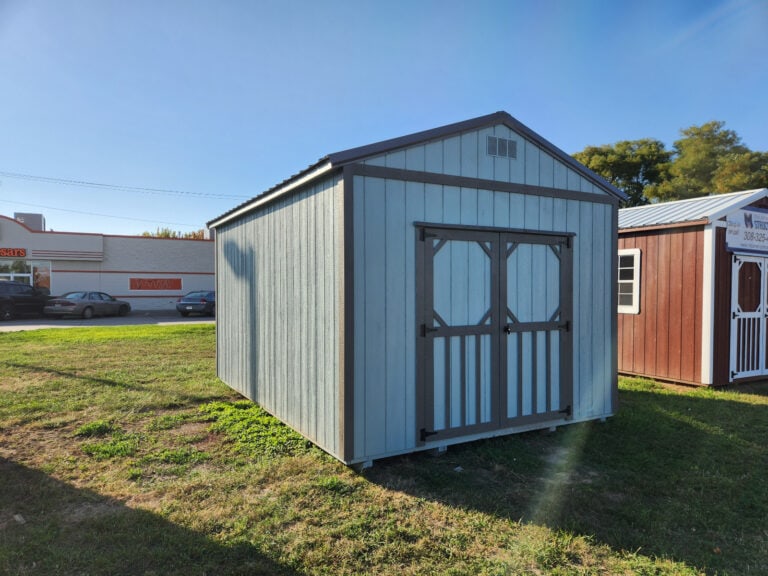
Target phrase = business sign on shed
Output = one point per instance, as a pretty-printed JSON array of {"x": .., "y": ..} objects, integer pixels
[
  {"x": 748, "y": 230},
  {"x": 155, "y": 283}
]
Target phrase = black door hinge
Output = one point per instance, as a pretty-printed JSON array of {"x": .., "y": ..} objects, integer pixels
[
  {"x": 424, "y": 434},
  {"x": 566, "y": 410},
  {"x": 426, "y": 330},
  {"x": 565, "y": 326}
]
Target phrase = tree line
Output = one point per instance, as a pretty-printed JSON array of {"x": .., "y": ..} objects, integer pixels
[
  {"x": 707, "y": 159},
  {"x": 169, "y": 233}
]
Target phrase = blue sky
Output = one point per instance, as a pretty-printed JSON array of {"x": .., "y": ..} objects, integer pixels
[{"x": 221, "y": 99}]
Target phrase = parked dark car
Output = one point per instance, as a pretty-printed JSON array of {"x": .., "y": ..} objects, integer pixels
[
  {"x": 197, "y": 302},
  {"x": 86, "y": 304},
  {"x": 19, "y": 298}
]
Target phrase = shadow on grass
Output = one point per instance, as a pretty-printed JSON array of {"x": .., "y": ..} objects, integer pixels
[
  {"x": 66, "y": 374},
  {"x": 676, "y": 476},
  {"x": 49, "y": 527}
]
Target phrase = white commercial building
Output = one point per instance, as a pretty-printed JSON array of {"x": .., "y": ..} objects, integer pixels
[{"x": 150, "y": 273}]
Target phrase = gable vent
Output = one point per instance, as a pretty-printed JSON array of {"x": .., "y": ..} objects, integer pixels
[{"x": 503, "y": 147}]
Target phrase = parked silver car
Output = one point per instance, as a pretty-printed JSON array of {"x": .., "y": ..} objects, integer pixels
[{"x": 86, "y": 304}]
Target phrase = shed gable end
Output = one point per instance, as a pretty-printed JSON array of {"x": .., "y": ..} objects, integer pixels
[{"x": 492, "y": 153}]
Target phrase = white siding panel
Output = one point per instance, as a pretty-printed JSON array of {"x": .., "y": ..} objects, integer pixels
[
  {"x": 546, "y": 213},
  {"x": 573, "y": 179},
  {"x": 546, "y": 170},
  {"x": 532, "y": 212},
  {"x": 517, "y": 165},
  {"x": 415, "y": 199},
  {"x": 385, "y": 277},
  {"x": 601, "y": 301},
  {"x": 376, "y": 161},
  {"x": 466, "y": 155},
  {"x": 532, "y": 165},
  {"x": 278, "y": 309},
  {"x": 468, "y": 207},
  {"x": 415, "y": 158},
  {"x": 451, "y": 205},
  {"x": 559, "y": 210},
  {"x": 485, "y": 215},
  {"x": 501, "y": 209},
  {"x": 396, "y": 159},
  {"x": 469, "y": 154},
  {"x": 485, "y": 163},
  {"x": 452, "y": 156},
  {"x": 517, "y": 211},
  {"x": 501, "y": 169},
  {"x": 573, "y": 224},
  {"x": 433, "y": 157},
  {"x": 560, "y": 175},
  {"x": 585, "y": 333},
  {"x": 359, "y": 277},
  {"x": 395, "y": 256},
  {"x": 374, "y": 329}
]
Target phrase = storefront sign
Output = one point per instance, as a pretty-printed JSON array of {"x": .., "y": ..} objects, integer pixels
[
  {"x": 748, "y": 230},
  {"x": 155, "y": 283},
  {"x": 13, "y": 252}
]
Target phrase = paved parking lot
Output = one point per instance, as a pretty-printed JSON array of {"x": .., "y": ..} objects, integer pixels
[{"x": 134, "y": 318}]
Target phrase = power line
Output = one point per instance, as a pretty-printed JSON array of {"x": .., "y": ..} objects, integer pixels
[
  {"x": 100, "y": 215},
  {"x": 99, "y": 185}
]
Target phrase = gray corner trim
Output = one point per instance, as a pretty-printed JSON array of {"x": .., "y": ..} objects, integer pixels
[
  {"x": 421, "y": 368},
  {"x": 347, "y": 325},
  {"x": 471, "y": 227},
  {"x": 614, "y": 313},
  {"x": 566, "y": 337},
  {"x": 478, "y": 183}
]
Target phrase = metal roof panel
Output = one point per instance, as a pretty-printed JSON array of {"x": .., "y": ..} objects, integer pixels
[{"x": 708, "y": 208}]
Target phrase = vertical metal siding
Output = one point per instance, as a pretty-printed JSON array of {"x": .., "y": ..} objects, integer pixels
[
  {"x": 384, "y": 278},
  {"x": 278, "y": 276},
  {"x": 465, "y": 155},
  {"x": 664, "y": 339}
]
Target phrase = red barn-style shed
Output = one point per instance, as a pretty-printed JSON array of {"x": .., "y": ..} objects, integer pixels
[{"x": 693, "y": 289}]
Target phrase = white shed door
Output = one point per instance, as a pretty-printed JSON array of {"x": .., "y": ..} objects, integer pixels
[
  {"x": 494, "y": 319},
  {"x": 749, "y": 316}
]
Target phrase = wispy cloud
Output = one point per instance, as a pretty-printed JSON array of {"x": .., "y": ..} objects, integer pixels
[{"x": 730, "y": 14}]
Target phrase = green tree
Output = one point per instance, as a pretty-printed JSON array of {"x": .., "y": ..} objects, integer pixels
[
  {"x": 196, "y": 235},
  {"x": 162, "y": 233},
  {"x": 745, "y": 171},
  {"x": 168, "y": 233},
  {"x": 698, "y": 156},
  {"x": 630, "y": 165}
]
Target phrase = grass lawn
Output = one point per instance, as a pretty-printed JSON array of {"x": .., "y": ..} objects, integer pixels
[{"x": 121, "y": 453}]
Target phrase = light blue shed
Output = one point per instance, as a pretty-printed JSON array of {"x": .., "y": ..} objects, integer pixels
[{"x": 440, "y": 287}]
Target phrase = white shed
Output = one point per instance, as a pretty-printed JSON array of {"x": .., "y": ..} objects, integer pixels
[{"x": 441, "y": 287}]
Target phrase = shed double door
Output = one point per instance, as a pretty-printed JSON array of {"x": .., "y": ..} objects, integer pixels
[
  {"x": 494, "y": 314},
  {"x": 749, "y": 316}
]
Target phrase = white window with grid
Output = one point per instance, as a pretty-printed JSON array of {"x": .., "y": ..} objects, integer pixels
[{"x": 629, "y": 281}]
